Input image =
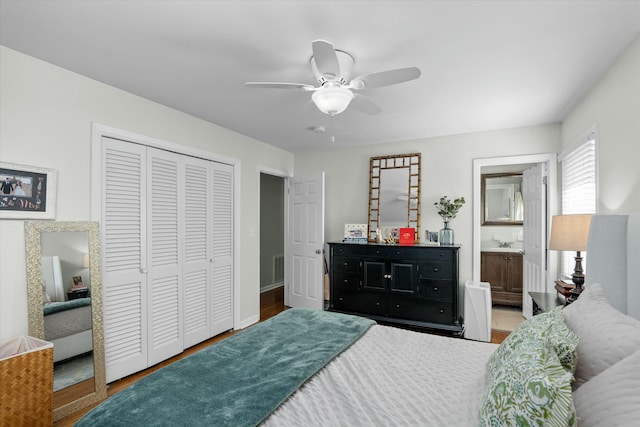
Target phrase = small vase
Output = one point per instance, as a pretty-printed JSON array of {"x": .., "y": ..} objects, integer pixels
[{"x": 446, "y": 235}]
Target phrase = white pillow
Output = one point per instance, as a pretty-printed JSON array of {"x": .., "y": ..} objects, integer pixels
[
  {"x": 611, "y": 398},
  {"x": 606, "y": 335}
]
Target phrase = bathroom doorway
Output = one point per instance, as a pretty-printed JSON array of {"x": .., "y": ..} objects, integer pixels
[{"x": 511, "y": 242}]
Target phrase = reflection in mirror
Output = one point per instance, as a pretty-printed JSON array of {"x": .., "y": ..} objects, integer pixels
[
  {"x": 502, "y": 199},
  {"x": 65, "y": 308},
  {"x": 394, "y": 193}
]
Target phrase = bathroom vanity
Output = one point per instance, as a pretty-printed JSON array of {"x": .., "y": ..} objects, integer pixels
[{"x": 502, "y": 268}]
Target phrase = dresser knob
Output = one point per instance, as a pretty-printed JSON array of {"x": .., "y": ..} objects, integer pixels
[
  {"x": 435, "y": 269},
  {"x": 434, "y": 289},
  {"x": 441, "y": 311},
  {"x": 397, "y": 305},
  {"x": 377, "y": 303},
  {"x": 346, "y": 281}
]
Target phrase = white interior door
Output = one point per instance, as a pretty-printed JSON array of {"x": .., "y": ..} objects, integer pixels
[
  {"x": 165, "y": 184},
  {"x": 534, "y": 231},
  {"x": 305, "y": 242},
  {"x": 123, "y": 211},
  {"x": 222, "y": 260}
]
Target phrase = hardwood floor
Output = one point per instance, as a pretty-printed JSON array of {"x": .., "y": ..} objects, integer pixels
[{"x": 271, "y": 303}]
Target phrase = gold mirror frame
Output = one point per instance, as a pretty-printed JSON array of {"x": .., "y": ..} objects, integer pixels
[
  {"x": 33, "y": 230},
  {"x": 483, "y": 199},
  {"x": 411, "y": 162}
]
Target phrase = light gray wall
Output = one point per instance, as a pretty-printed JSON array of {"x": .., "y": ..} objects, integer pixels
[
  {"x": 46, "y": 114},
  {"x": 447, "y": 169},
  {"x": 613, "y": 105},
  {"x": 271, "y": 224}
]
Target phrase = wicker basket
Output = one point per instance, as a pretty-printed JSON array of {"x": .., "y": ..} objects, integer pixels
[{"x": 26, "y": 382}]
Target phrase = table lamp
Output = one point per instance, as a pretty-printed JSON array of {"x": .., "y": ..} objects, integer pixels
[{"x": 570, "y": 233}]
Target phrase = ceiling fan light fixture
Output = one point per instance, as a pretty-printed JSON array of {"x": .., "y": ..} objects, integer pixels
[{"x": 332, "y": 100}]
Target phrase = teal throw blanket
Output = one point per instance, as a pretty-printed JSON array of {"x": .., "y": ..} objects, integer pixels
[{"x": 238, "y": 381}]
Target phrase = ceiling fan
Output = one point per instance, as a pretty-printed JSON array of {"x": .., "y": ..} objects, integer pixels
[{"x": 332, "y": 68}]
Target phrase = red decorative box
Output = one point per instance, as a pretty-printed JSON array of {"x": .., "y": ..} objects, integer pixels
[{"x": 407, "y": 236}]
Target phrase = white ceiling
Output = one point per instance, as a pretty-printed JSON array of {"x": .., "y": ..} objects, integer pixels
[{"x": 485, "y": 64}]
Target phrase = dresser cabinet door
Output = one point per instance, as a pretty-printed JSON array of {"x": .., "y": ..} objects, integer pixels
[
  {"x": 402, "y": 278},
  {"x": 375, "y": 275}
]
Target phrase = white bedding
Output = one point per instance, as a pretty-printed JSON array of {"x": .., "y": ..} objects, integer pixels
[{"x": 393, "y": 377}]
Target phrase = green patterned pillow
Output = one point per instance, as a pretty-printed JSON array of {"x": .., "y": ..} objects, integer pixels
[
  {"x": 529, "y": 388},
  {"x": 550, "y": 326}
]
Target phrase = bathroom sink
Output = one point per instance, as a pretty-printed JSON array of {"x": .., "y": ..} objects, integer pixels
[{"x": 513, "y": 250}]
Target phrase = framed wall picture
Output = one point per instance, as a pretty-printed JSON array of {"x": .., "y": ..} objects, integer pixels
[{"x": 27, "y": 192}]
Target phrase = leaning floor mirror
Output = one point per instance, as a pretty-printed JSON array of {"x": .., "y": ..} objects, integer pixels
[{"x": 65, "y": 308}]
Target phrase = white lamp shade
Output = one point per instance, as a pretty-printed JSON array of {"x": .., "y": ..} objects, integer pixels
[
  {"x": 570, "y": 232},
  {"x": 332, "y": 100}
]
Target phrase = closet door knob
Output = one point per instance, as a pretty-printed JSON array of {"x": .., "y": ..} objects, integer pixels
[{"x": 144, "y": 270}]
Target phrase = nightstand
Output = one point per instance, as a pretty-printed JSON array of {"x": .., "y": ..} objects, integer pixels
[{"x": 545, "y": 301}]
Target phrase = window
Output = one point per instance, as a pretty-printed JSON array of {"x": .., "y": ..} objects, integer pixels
[{"x": 579, "y": 184}]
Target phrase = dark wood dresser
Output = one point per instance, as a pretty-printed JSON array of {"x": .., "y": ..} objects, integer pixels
[{"x": 412, "y": 285}]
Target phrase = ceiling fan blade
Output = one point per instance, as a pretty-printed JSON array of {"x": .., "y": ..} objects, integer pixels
[
  {"x": 325, "y": 57},
  {"x": 364, "y": 104},
  {"x": 276, "y": 85},
  {"x": 385, "y": 78}
]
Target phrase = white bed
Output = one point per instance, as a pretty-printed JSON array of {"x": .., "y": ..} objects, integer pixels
[
  {"x": 396, "y": 377},
  {"x": 67, "y": 324},
  {"x": 403, "y": 378}
]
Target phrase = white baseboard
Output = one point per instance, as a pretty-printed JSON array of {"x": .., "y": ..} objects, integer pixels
[{"x": 271, "y": 287}]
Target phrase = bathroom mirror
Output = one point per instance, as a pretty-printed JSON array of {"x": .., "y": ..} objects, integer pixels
[
  {"x": 65, "y": 307},
  {"x": 394, "y": 193},
  {"x": 502, "y": 199}
]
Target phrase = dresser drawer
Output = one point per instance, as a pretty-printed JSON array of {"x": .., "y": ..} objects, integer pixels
[
  {"x": 436, "y": 254},
  {"x": 440, "y": 290},
  {"x": 422, "y": 311},
  {"x": 435, "y": 270},
  {"x": 371, "y": 303},
  {"x": 347, "y": 264},
  {"x": 354, "y": 249},
  {"x": 346, "y": 281}
]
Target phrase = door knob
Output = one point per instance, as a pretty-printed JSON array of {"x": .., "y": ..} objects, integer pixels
[{"x": 318, "y": 251}]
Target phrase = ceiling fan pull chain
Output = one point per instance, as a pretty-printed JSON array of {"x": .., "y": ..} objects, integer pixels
[{"x": 333, "y": 133}]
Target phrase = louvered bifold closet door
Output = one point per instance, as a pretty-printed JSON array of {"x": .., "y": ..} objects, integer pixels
[
  {"x": 197, "y": 247},
  {"x": 123, "y": 214},
  {"x": 165, "y": 193},
  {"x": 222, "y": 249}
]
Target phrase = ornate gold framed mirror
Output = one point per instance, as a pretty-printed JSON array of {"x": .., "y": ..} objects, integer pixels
[
  {"x": 501, "y": 199},
  {"x": 65, "y": 307},
  {"x": 394, "y": 193}
]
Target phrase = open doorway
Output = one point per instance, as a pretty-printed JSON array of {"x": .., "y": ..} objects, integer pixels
[
  {"x": 272, "y": 240},
  {"x": 513, "y": 258}
]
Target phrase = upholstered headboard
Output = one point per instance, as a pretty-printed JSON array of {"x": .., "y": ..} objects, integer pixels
[{"x": 613, "y": 260}]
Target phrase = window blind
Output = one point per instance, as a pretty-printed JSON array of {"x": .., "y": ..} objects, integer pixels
[{"x": 579, "y": 185}]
